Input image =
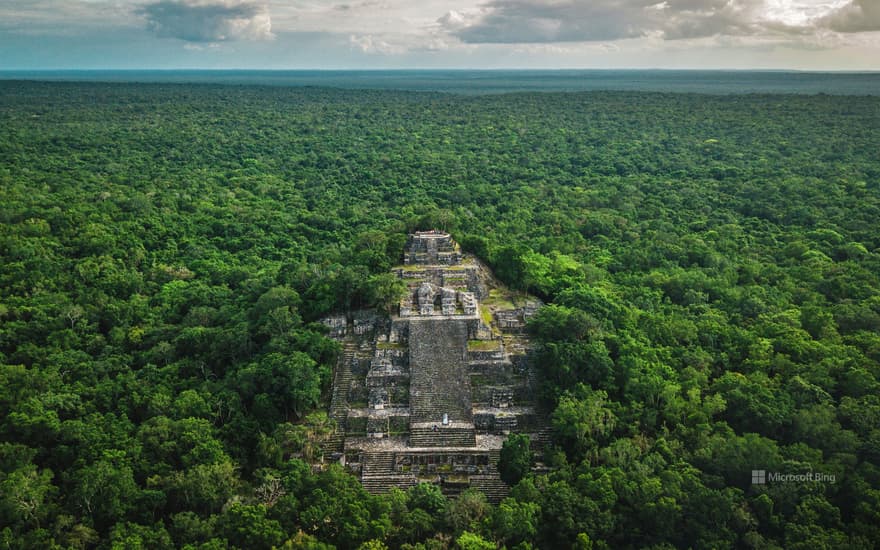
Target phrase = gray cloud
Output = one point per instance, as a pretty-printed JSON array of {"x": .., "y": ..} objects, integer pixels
[
  {"x": 543, "y": 21},
  {"x": 857, "y": 16},
  {"x": 689, "y": 19},
  {"x": 207, "y": 20},
  {"x": 367, "y": 4},
  {"x": 522, "y": 21}
]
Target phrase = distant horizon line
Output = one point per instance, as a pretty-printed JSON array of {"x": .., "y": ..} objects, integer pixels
[{"x": 447, "y": 69}]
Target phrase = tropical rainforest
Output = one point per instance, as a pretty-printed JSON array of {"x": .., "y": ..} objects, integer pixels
[{"x": 710, "y": 266}]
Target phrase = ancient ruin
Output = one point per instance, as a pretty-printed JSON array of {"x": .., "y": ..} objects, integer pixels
[{"x": 429, "y": 394}]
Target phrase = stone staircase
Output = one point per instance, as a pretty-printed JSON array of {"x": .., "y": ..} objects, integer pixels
[
  {"x": 443, "y": 437},
  {"x": 378, "y": 476},
  {"x": 377, "y": 463},
  {"x": 339, "y": 397},
  {"x": 439, "y": 383},
  {"x": 491, "y": 486},
  {"x": 342, "y": 382},
  {"x": 334, "y": 443},
  {"x": 494, "y": 459},
  {"x": 541, "y": 438},
  {"x": 430, "y": 406},
  {"x": 382, "y": 484}
]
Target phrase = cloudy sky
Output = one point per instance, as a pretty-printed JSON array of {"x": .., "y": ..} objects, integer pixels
[{"x": 344, "y": 34}]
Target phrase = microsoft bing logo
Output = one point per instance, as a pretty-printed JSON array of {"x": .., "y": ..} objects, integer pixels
[{"x": 763, "y": 477}]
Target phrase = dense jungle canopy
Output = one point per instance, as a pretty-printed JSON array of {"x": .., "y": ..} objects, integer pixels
[{"x": 711, "y": 266}]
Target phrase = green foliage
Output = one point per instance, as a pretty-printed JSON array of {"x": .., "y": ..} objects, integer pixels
[
  {"x": 515, "y": 522},
  {"x": 384, "y": 291},
  {"x": 467, "y": 512},
  {"x": 105, "y": 490},
  {"x": 710, "y": 265},
  {"x": 24, "y": 495},
  {"x": 583, "y": 420},
  {"x": 138, "y": 537},
  {"x": 427, "y": 497},
  {"x": 471, "y": 541},
  {"x": 302, "y": 541},
  {"x": 248, "y": 527},
  {"x": 516, "y": 458},
  {"x": 281, "y": 386},
  {"x": 338, "y": 510}
]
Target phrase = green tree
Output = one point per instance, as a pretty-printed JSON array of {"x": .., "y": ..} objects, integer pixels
[
  {"x": 303, "y": 541},
  {"x": 132, "y": 536},
  {"x": 291, "y": 383},
  {"x": 583, "y": 420},
  {"x": 384, "y": 291},
  {"x": 516, "y": 458},
  {"x": 105, "y": 491},
  {"x": 468, "y": 511},
  {"x": 25, "y": 493},
  {"x": 471, "y": 541},
  {"x": 428, "y": 497},
  {"x": 514, "y": 522},
  {"x": 246, "y": 526}
]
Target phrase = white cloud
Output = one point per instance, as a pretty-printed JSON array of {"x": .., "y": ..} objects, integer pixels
[
  {"x": 208, "y": 20},
  {"x": 454, "y": 20},
  {"x": 553, "y": 21},
  {"x": 373, "y": 45}
]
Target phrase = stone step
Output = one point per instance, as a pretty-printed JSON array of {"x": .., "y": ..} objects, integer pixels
[
  {"x": 341, "y": 383},
  {"x": 491, "y": 486},
  {"x": 439, "y": 381},
  {"x": 541, "y": 438},
  {"x": 334, "y": 443},
  {"x": 494, "y": 456},
  {"x": 382, "y": 484},
  {"x": 377, "y": 463},
  {"x": 437, "y": 410},
  {"x": 339, "y": 397},
  {"x": 443, "y": 437}
]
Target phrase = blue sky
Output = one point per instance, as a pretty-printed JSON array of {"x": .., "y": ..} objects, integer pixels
[{"x": 365, "y": 34}]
